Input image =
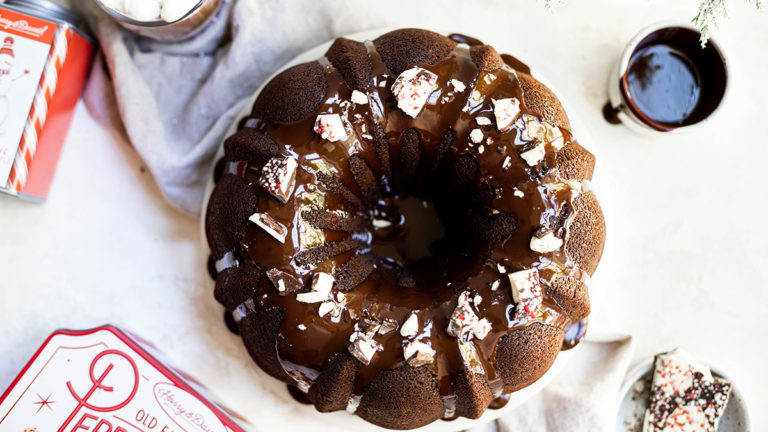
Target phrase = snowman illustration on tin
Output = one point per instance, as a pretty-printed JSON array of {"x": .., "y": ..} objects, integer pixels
[{"x": 7, "y": 60}]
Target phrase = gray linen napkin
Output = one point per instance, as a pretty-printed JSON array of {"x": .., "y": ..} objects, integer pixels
[{"x": 176, "y": 100}]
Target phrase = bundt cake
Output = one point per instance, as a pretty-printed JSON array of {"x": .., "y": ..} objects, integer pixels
[{"x": 404, "y": 228}]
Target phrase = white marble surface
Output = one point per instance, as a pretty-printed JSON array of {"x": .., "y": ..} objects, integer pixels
[{"x": 683, "y": 265}]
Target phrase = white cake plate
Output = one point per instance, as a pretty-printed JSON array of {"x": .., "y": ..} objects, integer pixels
[{"x": 268, "y": 391}]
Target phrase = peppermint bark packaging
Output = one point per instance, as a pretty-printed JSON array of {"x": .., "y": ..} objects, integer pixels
[
  {"x": 44, "y": 62},
  {"x": 105, "y": 380}
]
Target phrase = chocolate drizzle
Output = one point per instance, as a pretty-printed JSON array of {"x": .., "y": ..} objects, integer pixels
[{"x": 463, "y": 181}]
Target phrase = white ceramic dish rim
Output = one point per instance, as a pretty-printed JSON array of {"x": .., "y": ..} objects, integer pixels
[
  {"x": 646, "y": 367},
  {"x": 342, "y": 419}
]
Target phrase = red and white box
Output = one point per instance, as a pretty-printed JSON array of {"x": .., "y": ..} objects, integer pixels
[
  {"x": 105, "y": 380},
  {"x": 45, "y": 58}
]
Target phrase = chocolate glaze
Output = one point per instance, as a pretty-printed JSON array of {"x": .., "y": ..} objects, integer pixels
[
  {"x": 218, "y": 170},
  {"x": 575, "y": 333},
  {"x": 462, "y": 38},
  {"x": 231, "y": 324},
  {"x": 211, "y": 267},
  {"x": 515, "y": 63},
  {"x": 611, "y": 114},
  {"x": 459, "y": 262},
  {"x": 298, "y": 395},
  {"x": 500, "y": 402}
]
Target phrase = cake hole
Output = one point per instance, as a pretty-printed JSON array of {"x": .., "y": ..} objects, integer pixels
[{"x": 404, "y": 229}]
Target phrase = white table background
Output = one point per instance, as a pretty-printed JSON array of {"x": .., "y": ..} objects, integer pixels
[{"x": 684, "y": 264}]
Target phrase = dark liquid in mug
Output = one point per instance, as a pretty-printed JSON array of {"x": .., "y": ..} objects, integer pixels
[
  {"x": 671, "y": 81},
  {"x": 664, "y": 84}
]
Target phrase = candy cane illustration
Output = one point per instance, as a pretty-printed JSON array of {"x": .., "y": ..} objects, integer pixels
[
  {"x": 98, "y": 385},
  {"x": 39, "y": 111}
]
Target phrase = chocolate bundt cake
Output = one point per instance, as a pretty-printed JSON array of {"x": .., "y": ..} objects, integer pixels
[{"x": 404, "y": 228}]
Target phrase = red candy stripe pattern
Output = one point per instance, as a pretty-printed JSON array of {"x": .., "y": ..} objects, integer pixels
[{"x": 39, "y": 111}]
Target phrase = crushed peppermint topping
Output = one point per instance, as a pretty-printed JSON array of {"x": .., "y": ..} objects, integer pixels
[
  {"x": 464, "y": 323},
  {"x": 363, "y": 347},
  {"x": 518, "y": 193},
  {"x": 418, "y": 353},
  {"x": 320, "y": 289},
  {"x": 471, "y": 357},
  {"x": 284, "y": 282},
  {"x": 463, "y": 299},
  {"x": 526, "y": 292},
  {"x": 684, "y": 395},
  {"x": 481, "y": 329},
  {"x": 458, "y": 85},
  {"x": 544, "y": 241},
  {"x": 558, "y": 140},
  {"x": 381, "y": 223},
  {"x": 463, "y": 319},
  {"x": 535, "y": 130},
  {"x": 359, "y": 97},
  {"x": 506, "y": 163},
  {"x": 330, "y": 127},
  {"x": 483, "y": 121},
  {"x": 387, "y": 326},
  {"x": 301, "y": 327},
  {"x": 410, "y": 326},
  {"x": 278, "y": 177},
  {"x": 270, "y": 225},
  {"x": 476, "y": 136},
  {"x": 505, "y": 110},
  {"x": 533, "y": 156},
  {"x": 325, "y": 308},
  {"x": 477, "y": 300},
  {"x": 412, "y": 89}
]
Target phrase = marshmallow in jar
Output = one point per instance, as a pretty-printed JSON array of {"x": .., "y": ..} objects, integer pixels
[{"x": 164, "y": 20}]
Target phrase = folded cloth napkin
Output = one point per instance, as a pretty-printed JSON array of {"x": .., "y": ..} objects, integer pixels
[
  {"x": 583, "y": 398},
  {"x": 176, "y": 100}
]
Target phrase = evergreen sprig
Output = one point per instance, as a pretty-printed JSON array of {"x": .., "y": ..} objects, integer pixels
[{"x": 710, "y": 12}]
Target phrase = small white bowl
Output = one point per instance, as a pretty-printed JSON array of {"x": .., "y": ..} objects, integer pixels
[{"x": 636, "y": 391}]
